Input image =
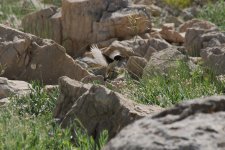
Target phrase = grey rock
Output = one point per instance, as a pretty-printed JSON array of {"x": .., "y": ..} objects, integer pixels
[
  {"x": 135, "y": 66},
  {"x": 192, "y": 125},
  {"x": 163, "y": 61},
  {"x": 214, "y": 58},
  {"x": 97, "y": 107},
  {"x": 28, "y": 57},
  {"x": 13, "y": 87}
]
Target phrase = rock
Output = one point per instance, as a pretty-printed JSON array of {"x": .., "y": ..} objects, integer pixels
[
  {"x": 96, "y": 107},
  {"x": 28, "y": 57},
  {"x": 13, "y": 87},
  {"x": 214, "y": 58},
  {"x": 199, "y": 35},
  {"x": 50, "y": 88},
  {"x": 196, "y": 23},
  {"x": 122, "y": 24},
  {"x": 45, "y": 23},
  {"x": 137, "y": 47},
  {"x": 163, "y": 61},
  {"x": 99, "y": 20},
  {"x": 4, "y": 101},
  {"x": 192, "y": 125},
  {"x": 170, "y": 35},
  {"x": 197, "y": 39},
  {"x": 135, "y": 66}
]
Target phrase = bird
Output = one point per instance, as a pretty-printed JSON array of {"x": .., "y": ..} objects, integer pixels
[{"x": 110, "y": 62}]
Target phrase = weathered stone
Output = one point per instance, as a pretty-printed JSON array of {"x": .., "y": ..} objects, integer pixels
[
  {"x": 197, "y": 39},
  {"x": 97, "y": 107},
  {"x": 137, "y": 47},
  {"x": 80, "y": 23},
  {"x": 13, "y": 87},
  {"x": 192, "y": 125},
  {"x": 214, "y": 58},
  {"x": 169, "y": 34},
  {"x": 28, "y": 57},
  {"x": 163, "y": 61},
  {"x": 45, "y": 23},
  {"x": 135, "y": 66},
  {"x": 196, "y": 23}
]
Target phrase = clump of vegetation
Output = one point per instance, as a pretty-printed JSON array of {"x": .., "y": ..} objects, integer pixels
[
  {"x": 178, "y": 85},
  {"x": 214, "y": 13},
  {"x": 26, "y": 123},
  {"x": 54, "y": 2},
  {"x": 179, "y": 3}
]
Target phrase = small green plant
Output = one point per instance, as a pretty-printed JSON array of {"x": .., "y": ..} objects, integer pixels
[
  {"x": 179, "y": 3},
  {"x": 37, "y": 103},
  {"x": 178, "y": 85},
  {"x": 214, "y": 13}
]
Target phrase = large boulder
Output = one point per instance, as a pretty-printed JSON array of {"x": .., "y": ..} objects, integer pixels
[
  {"x": 193, "y": 125},
  {"x": 81, "y": 23},
  {"x": 96, "y": 107},
  {"x": 27, "y": 57},
  {"x": 214, "y": 58}
]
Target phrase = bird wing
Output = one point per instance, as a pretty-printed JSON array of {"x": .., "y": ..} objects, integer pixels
[{"x": 98, "y": 56}]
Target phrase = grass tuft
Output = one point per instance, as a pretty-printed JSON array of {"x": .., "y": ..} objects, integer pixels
[
  {"x": 214, "y": 13},
  {"x": 178, "y": 85}
]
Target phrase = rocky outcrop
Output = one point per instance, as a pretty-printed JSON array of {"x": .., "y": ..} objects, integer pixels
[
  {"x": 96, "y": 107},
  {"x": 27, "y": 57},
  {"x": 214, "y": 58},
  {"x": 89, "y": 21},
  {"x": 192, "y": 125}
]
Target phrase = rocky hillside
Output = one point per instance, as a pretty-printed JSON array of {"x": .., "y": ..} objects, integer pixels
[{"x": 112, "y": 75}]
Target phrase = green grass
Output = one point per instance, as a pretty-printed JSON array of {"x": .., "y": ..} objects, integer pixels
[
  {"x": 180, "y": 84},
  {"x": 179, "y": 3},
  {"x": 54, "y": 2},
  {"x": 27, "y": 123},
  {"x": 214, "y": 13}
]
